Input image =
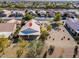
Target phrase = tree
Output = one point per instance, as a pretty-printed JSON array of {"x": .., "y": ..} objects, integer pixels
[
  {"x": 35, "y": 5},
  {"x": 22, "y": 22},
  {"x": 63, "y": 6},
  {"x": 68, "y": 5},
  {"x": 20, "y": 5},
  {"x": 27, "y": 17},
  {"x": 19, "y": 52},
  {"x": 4, "y": 43},
  {"x": 11, "y": 5},
  {"x": 22, "y": 46},
  {"x": 22, "y": 43},
  {"x": 35, "y": 49},
  {"x": 1, "y": 9},
  {"x": 57, "y": 16},
  {"x": 49, "y": 27},
  {"x": 50, "y": 5},
  {"x": 44, "y": 34}
]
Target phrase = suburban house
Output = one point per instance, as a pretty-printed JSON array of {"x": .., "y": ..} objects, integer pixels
[
  {"x": 18, "y": 11},
  {"x": 7, "y": 12},
  {"x": 30, "y": 30},
  {"x": 14, "y": 21},
  {"x": 32, "y": 12},
  {"x": 73, "y": 25},
  {"x": 42, "y": 13},
  {"x": 6, "y": 29},
  {"x": 50, "y": 12}
]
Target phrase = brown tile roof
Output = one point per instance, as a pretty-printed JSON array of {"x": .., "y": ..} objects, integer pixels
[{"x": 6, "y": 27}]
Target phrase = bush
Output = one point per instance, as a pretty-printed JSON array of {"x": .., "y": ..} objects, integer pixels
[
  {"x": 36, "y": 48},
  {"x": 49, "y": 27},
  {"x": 22, "y": 43},
  {"x": 4, "y": 42},
  {"x": 19, "y": 52},
  {"x": 27, "y": 17},
  {"x": 60, "y": 24}
]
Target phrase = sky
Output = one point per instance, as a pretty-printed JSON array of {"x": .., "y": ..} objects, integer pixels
[
  {"x": 39, "y": 0},
  {"x": 61, "y": 0},
  {"x": 54, "y": 0}
]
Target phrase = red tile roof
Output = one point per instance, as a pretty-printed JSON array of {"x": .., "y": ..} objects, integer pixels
[{"x": 6, "y": 27}]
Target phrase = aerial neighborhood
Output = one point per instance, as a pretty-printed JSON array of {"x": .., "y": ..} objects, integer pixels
[{"x": 39, "y": 29}]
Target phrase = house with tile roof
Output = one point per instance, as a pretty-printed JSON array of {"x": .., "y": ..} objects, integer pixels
[
  {"x": 6, "y": 29},
  {"x": 14, "y": 21},
  {"x": 73, "y": 25},
  {"x": 30, "y": 30}
]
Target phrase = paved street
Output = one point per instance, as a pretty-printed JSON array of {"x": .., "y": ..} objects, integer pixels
[{"x": 60, "y": 45}]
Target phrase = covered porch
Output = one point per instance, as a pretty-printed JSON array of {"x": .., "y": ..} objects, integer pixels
[
  {"x": 29, "y": 34},
  {"x": 28, "y": 37}
]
